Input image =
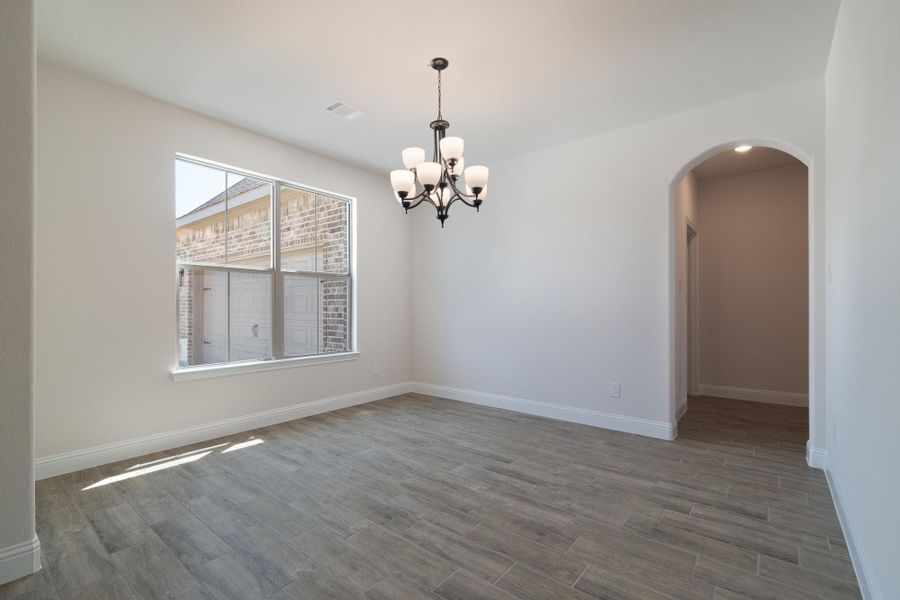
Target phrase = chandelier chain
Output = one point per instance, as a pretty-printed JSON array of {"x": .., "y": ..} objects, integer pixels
[{"x": 439, "y": 96}]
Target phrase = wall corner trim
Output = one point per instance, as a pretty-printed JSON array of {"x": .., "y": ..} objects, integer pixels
[
  {"x": 20, "y": 560},
  {"x": 67, "y": 462},
  {"x": 754, "y": 395},
  {"x": 656, "y": 429},
  {"x": 868, "y": 586},
  {"x": 815, "y": 457}
]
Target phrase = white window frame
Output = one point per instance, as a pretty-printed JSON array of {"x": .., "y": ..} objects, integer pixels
[{"x": 277, "y": 360}]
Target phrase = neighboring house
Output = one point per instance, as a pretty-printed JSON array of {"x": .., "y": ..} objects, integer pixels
[{"x": 316, "y": 310}]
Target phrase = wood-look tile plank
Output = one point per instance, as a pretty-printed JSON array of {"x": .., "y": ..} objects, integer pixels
[
  {"x": 524, "y": 583},
  {"x": 464, "y": 586},
  {"x": 230, "y": 577},
  {"x": 604, "y": 582},
  {"x": 273, "y": 556},
  {"x": 827, "y": 563},
  {"x": 459, "y": 550},
  {"x": 334, "y": 555},
  {"x": 190, "y": 540},
  {"x": 78, "y": 561},
  {"x": 396, "y": 554},
  {"x": 817, "y": 583},
  {"x": 742, "y": 582},
  {"x": 154, "y": 571},
  {"x": 118, "y": 527},
  {"x": 538, "y": 557},
  {"x": 395, "y": 588},
  {"x": 693, "y": 542},
  {"x": 596, "y": 541}
]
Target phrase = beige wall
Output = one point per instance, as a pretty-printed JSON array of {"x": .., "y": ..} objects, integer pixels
[
  {"x": 17, "y": 70},
  {"x": 754, "y": 280}
]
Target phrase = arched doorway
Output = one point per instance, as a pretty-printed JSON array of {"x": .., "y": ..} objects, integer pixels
[{"x": 682, "y": 230}]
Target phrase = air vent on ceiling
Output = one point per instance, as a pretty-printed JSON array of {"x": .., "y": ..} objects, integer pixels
[{"x": 344, "y": 110}]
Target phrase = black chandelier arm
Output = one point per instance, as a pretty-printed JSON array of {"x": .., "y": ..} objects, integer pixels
[
  {"x": 462, "y": 196},
  {"x": 423, "y": 196},
  {"x": 420, "y": 197},
  {"x": 461, "y": 199}
]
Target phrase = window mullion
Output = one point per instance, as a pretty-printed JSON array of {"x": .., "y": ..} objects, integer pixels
[{"x": 277, "y": 276}]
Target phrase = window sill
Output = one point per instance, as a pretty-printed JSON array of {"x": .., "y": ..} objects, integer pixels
[{"x": 224, "y": 370}]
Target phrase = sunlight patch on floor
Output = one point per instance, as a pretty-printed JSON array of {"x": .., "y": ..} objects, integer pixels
[{"x": 146, "y": 470}]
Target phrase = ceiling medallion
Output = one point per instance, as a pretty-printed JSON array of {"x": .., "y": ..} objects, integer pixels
[{"x": 437, "y": 181}]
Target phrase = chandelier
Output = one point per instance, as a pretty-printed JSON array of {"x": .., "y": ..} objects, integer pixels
[{"x": 437, "y": 181}]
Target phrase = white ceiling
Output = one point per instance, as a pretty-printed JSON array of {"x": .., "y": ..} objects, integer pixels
[
  {"x": 734, "y": 163},
  {"x": 523, "y": 74}
]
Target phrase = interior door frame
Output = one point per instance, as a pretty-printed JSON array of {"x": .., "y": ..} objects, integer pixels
[{"x": 692, "y": 301}]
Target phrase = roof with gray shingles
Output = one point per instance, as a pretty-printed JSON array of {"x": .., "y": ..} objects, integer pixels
[{"x": 244, "y": 185}]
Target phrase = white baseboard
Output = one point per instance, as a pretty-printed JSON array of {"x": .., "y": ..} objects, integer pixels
[
  {"x": 67, "y": 462},
  {"x": 815, "y": 457},
  {"x": 681, "y": 411},
  {"x": 754, "y": 395},
  {"x": 868, "y": 586},
  {"x": 20, "y": 560},
  {"x": 656, "y": 429}
]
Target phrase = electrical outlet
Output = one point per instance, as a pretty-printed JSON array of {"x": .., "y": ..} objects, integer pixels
[
  {"x": 376, "y": 369},
  {"x": 615, "y": 390}
]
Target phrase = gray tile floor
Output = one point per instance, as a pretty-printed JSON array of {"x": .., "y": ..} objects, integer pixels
[{"x": 416, "y": 497}]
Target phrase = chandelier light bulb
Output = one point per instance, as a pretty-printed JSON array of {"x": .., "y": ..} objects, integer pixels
[
  {"x": 413, "y": 156},
  {"x": 401, "y": 180},
  {"x": 429, "y": 173},
  {"x": 452, "y": 148},
  {"x": 476, "y": 177}
]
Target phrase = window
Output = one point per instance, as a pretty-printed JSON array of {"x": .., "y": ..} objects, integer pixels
[{"x": 252, "y": 287}]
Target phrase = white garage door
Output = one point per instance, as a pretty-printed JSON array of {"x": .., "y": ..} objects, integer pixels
[
  {"x": 250, "y": 331},
  {"x": 301, "y": 315}
]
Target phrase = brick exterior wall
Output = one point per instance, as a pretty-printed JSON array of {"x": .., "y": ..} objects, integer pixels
[{"x": 314, "y": 237}]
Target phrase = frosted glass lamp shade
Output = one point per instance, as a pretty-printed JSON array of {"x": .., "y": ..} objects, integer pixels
[
  {"x": 412, "y": 157},
  {"x": 429, "y": 173},
  {"x": 457, "y": 169},
  {"x": 402, "y": 180},
  {"x": 476, "y": 176},
  {"x": 452, "y": 148},
  {"x": 410, "y": 193}
]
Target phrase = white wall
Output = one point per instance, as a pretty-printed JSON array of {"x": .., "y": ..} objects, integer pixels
[
  {"x": 17, "y": 69},
  {"x": 686, "y": 197},
  {"x": 564, "y": 282},
  {"x": 753, "y": 282},
  {"x": 105, "y": 281},
  {"x": 863, "y": 187}
]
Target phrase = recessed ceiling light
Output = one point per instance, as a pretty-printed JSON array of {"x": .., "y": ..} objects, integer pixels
[{"x": 743, "y": 148}]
